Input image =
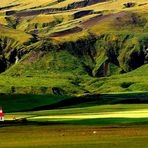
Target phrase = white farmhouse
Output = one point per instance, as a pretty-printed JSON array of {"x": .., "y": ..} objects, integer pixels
[{"x": 1, "y": 115}]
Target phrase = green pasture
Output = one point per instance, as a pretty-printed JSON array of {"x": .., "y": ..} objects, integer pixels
[{"x": 61, "y": 136}]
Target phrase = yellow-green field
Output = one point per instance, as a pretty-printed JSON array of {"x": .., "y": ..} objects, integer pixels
[
  {"x": 125, "y": 113},
  {"x": 118, "y": 125},
  {"x": 60, "y": 136},
  {"x": 77, "y": 125}
]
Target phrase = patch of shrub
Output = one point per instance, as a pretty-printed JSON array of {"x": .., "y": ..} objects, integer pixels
[
  {"x": 13, "y": 89},
  {"x": 57, "y": 91},
  {"x": 126, "y": 84},
  {"x": 23, "y": 120},
  {"x": 129, "y": 4},
  {"x": 60, "y": 1},
  {"x": 44, "y": 89}
]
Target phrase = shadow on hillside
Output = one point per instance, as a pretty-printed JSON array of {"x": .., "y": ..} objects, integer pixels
[
  {"x": 20, "y": 103},
  {"x": 102, "y": 99}
]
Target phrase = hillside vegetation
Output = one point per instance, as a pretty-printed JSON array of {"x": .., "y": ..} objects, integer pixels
[{"x": 73, "y": 47}]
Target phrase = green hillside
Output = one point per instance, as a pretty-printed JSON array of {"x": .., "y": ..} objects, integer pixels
[{"x": 73, "y": 47}]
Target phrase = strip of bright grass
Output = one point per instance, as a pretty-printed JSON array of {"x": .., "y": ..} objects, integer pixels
[{"x": 119, "y": 113}]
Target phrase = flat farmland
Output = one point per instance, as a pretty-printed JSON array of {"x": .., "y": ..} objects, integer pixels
[
  {"x": 118, "y": 125},
  {"x": 65, "y": 136}
]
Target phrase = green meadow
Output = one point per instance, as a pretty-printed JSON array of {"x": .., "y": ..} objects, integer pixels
[
  {"x": 117, "y": 119},
  {"x": 73, "y": 136},
  {"x": 110, "y": 120}
]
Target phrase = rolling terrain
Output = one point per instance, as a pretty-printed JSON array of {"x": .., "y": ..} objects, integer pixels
[
  {"x": 74, "y": 71},
  {"x": 77, "y": 47}
]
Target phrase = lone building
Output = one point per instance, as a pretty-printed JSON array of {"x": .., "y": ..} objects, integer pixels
[{"x": 1, "y": 115}]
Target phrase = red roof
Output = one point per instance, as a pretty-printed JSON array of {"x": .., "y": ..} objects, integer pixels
[{"x": 2, "y": 114}]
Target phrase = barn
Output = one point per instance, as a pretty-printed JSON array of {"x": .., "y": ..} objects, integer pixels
[{"x": 1, "y": 115}]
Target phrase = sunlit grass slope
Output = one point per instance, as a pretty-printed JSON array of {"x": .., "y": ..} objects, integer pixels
[
  {"x": 16, "y": 35},
  {"x": 67, "y": 44},
  {"x": 34, "y": 81}
]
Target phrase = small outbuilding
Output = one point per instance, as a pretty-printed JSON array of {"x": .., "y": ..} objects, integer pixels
[{"x": 1, "y": 115}]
